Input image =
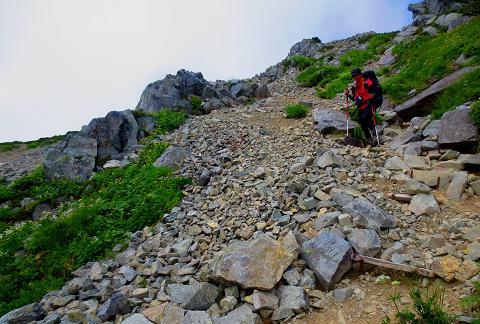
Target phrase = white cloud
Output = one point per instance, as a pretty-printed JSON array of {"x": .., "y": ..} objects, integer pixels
[{"x": 63, "y": 62}]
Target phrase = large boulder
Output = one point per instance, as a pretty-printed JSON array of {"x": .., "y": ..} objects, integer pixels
[
  {"x": 241, "y": 89},
  {"x": 330, "y": 121},
  {"x": 172, "y": 157},
  {"x": 26, "y": 314},
  {"x": 258, "y": 263},
  {"x": 367, "y": 215},
  {"x": 73, "y": 158},
  {"x": 115, "y": 133},
  {"x": 365, "y": 242},
  {"x": 421, "y": 102},
  {"x": 457, "y": 130},
  {"x": 329, "y": 256},
  {"x": 452, "y": 20},
  {"x": 172, "y": 91},
  {"x": 306, "y": 47},
  {"x": 198, "y": 296}
]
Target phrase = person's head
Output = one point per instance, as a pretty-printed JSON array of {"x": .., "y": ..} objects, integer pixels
[{"x": 356, "y": 74}]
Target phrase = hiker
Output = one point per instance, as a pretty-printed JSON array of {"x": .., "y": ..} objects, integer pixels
[{"x": 367, "y": 95}]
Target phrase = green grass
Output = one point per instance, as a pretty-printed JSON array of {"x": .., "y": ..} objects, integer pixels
[
  {"x": 329, "y": 79},
  {"x": 475, "y": 113},
  {"x": 296, "y": 110},
  {"x": 298, "y": 61},
  {"x": 427, "y": 59},
  {"x": 41, "y": 142},
  {"x": 196, "y": 103},
  {"x": 466, "y": 89},
  {"x": 39, "y": 257},
  {"x": 472, "y": 303}
]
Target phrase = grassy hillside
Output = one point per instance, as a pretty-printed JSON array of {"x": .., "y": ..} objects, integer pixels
[
  {"x": 96, "y": 215},
  {"x": 41, "y": 142}
]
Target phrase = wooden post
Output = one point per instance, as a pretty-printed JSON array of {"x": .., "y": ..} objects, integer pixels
[{"x": 391, "y": 265}]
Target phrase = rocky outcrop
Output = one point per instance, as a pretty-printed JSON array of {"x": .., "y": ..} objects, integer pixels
[
  {"x": 116, "y": 133},
  {"x": 73, "y": 158},
  {"x": 457, "y": 130},
  {"x": 331, "y": 121},
  {"x": 306, "y": 47},
  {"x": 419, "y": 104}
]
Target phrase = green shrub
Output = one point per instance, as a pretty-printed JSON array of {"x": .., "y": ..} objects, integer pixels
[
  {"x": 298, "y": 61},
  {"x": 429, "y": 58},
  {"x": 472, "y": 303},
  {"x": 39, "y": 257},
  {"x": 41, "y": 142},
  {"x": 296, "y": 110},
  {"x": 167, "y": 120},
  {"x": 472, "y": 8},
  {"x": 10, "y": 146},
  {"x": 196, "y": 103},
  {"x": 475, "y": 113},
  {"x": 466, "y": 89}
]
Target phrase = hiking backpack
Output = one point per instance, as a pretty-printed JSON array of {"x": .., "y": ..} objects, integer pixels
[{"x": 375, "y": 89}]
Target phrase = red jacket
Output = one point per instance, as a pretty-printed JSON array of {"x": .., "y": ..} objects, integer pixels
[{"x": 361, "y": 91}]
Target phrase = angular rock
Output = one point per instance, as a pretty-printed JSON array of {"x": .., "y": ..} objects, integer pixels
[
  {"x": 115, "y": 133},
  {"x": 293, "y": 297},
  {"x": 73, "y": 158},
  {"x": 332, "y": 121},
  {"x": 394, "y": 163},
  {"x": 449, "y": 155},
  {"x": 406, "y": 137},
  {"x": 172, "y": 157},
  {"x": 264, "y": 300},
  {"x": 328, "y": 255},
  {"x": 476, "y": 187},
  {"x": 240, "y": 315},
  {"x": 446, "y": 267},
  {"x": 451, "y": 20},
  {"x": 167, "y": 313},
  {"x": 457, "y": 186},
  {"x": 282, "y": 313},
  {"x": 424, "y": 204},
  {"x": 26, "y": 314},
  {"x": 367, "y": 215},
  {"x": 414, "y": 187},
  {"x": 213, "y": 104},
  {"x": 258, "y": 263},
  {"x": 365, "y": 242},
  {"x": 432, "y": 177},
  {"x": 112, "y": 307},
  {"x": 327, "y": 159},
  {"x": 171, "y": 92},
  {"x": 198, "y": 296},
  {"x": 40, "y": 210},
  {"x": 417, "y": 162},
  {"x": 240, "y": 89},
  {"x": 342, "y": 294},
  {"x": 420, "y": 102},
  {"x": 197, "y": 317},
  {"x": 457, "y": 130},
  {"x": 432, "y": 129},
  {"x": 467, "y": 270},
  {"x": 327, "y": 219},
  {"x": 136, "y": 319},
  {"x": 306, "y": 47}
]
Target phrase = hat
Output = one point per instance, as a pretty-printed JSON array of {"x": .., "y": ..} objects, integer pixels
[{"x": 356, "y": 72}]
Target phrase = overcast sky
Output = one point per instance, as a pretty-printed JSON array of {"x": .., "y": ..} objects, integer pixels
[{"x": 64, "y": 62}]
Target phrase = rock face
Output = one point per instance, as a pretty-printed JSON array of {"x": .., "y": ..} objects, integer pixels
[
  {"x": 306, "y": 47},
  {"x": 171, "y": 92},
  {"x": 367, "y": 215},
  {"x": 418, "y": 104},
  {"x": 73, "y": 158},
  {"x": 172, "y": 157},
  {"x": 457, "y": 130},
  {"x": 258, "y": 263},
  {"x": 330, "y": 121},
  {"x": 451, "y": 20},
  {"x": 328, "y": 255},
  {"x": 115, "y": 133}
]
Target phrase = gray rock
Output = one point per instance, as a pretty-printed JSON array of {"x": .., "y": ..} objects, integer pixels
[
  {"x": 25, "y": 314},
  {"x": 367, "y": 215},
  {"x": 72, "y": 159},
  {"x": 128, "y": 273},
  {"x": 171, "y": 92},
  {"x": 457, "y": 186},
  {"x": 341, "y": 197},
  {"x": 424, "y": 204},
  {"x": 327, "y": 219},
  {"x": 449, "y": 155},
  {"x": 452, "y": 20},
  {"x": 417, "y": 162},
  {"x": 258, "y": 263},
  {"x": 307, "y": 203},
  {"x": 197, "y": 317},
  {"x": 306, "y": 47},
  {"x": 293, "y": 297},
  {"x": 282, "y": 313},
  {"x": 136, "y": 319},
  {"x": 387, "y": 58},
  {"x": 328, "y": 255},
  {"x": 117, "y": 304},
  {"x": 147, "y": 124},
  {"x": 40, "y": 210},
  {"x": 475, "y": 187},
  {"x": 261, "y": 91},
  {"x": 342, "y": 294},
  {"x": 332, "y": 121},
  {"x": 394, "y": 163},
  {"x": 432, "y": 129},
  {"x": 430, "y": 30},
  {"x": 172, "y": 157},
  {"x": 198, "y": 296},
  {"x": 182, "y": 246},
  {"x": 457, "y": 130},
  {"x": 414, "y": 187},
  {"x": 213, "y": 104},
  {"x": 240, "y": 89},
  {"x": 292, "y": 276},
  {"x": 240, "y": 315},
  {"x": 365, "y": 242},
  {"x": 115, "y": 133},
  {"x": 406, "y": 137},
  {"x": 327, "y": 159},
  {"x": 420, "y": 102},
  {"x": 264, "y": 300},
  {"x": 279, "y": 218},
  {"x": 53, "y": 318}
]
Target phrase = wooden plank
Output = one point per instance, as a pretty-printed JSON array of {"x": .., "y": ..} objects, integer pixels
[{"x": 392, "y": 265}]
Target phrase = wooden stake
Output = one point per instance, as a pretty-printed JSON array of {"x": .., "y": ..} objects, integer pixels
[{"x": 391, "y": 265}]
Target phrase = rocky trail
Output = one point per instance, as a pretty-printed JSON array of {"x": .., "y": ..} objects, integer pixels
[{"x": 279, "y": 186}]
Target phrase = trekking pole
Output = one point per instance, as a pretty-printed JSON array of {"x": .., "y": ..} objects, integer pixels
[
  {"x": 346, "y": 113},
  {"x": 375, "y": 125}
]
